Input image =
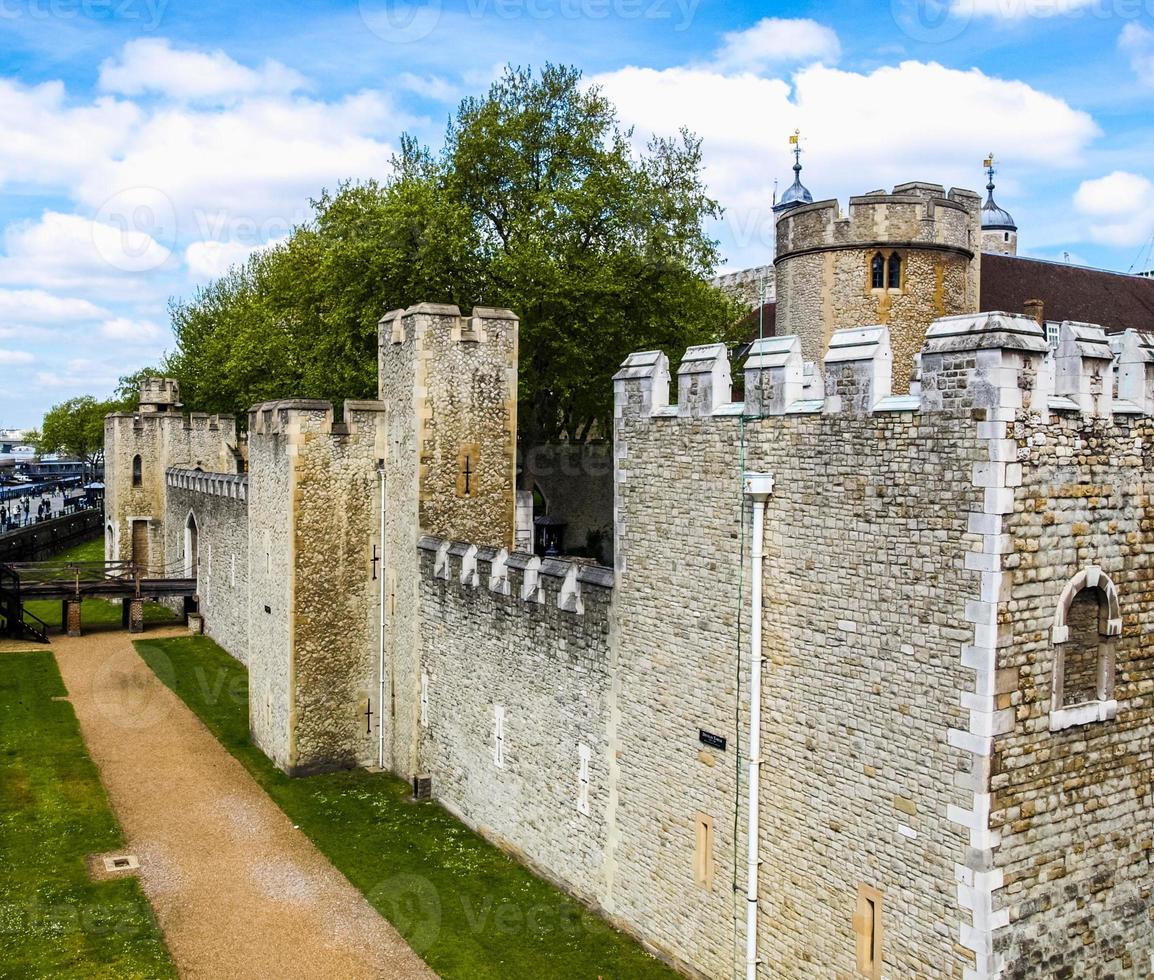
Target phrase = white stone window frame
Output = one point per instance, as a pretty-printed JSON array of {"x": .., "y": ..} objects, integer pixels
[
  {"x": 499, "y": 736},
  {"x": 1104, "y": 707}
]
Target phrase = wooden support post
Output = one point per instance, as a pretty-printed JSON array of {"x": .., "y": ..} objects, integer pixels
[
  {"x": 135, "y": 615},
  {"x": 71, "y": 617}
]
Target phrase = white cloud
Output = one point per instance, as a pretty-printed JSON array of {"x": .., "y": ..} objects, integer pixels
[
  {"x": 131, "y": 331},
  {"x": 154, "y": 66},
  {"x": 777, "y": 41},
  {"x": 212, "y": 259},
  {"x": 15, "y": 357},
  {"x": 48, "y": 141},
  {"x": 70, "y": 252},
  {"x": 35, "y": 306},
  {"x": 1118, "y": 208},
  {"x": 1022, "y": 9},
  {"x": 847, "y": 121},
  {"x": 429, "y": 86},
  {"x": 1138, "y": 42},
  {"x": 245, "y": 173}
]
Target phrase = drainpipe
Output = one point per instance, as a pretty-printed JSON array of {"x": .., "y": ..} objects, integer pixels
[
  {"x": 758, "y": 487},
  {"x": 381, "y": 635}
]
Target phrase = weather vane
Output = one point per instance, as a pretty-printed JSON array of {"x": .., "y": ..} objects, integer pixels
[
  {"x": 795, "y": 142},
  {"x": 988, "y": 163}
]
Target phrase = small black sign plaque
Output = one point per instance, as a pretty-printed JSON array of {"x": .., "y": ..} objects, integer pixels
[{"x": 713, "y": 741}]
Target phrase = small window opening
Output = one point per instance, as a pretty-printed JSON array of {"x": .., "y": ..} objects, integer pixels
[
  {"x": 878, "y": 272},
  {"x": 703, "y": 852},
  {"x": 136, "y": 470},
  {"x": 894, "y": 271},
  {"x": 499, "y": 737},
  {"x": 425, "y": 701},
  {"x": 867, "y": 927},
  {"x": 583, "y": 779}
]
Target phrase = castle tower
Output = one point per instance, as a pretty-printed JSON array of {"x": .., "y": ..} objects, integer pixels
[
  {"x": 999, "y": 233},
  {"x": 448, "y": 385},
  {"x": 900, "y": 259},
  {"x": 138, "y": 448}
]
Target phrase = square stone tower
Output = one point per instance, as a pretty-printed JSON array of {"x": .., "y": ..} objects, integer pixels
[
  {"x": 448, "y": 384},
  {"x": 138, "y": 448}
]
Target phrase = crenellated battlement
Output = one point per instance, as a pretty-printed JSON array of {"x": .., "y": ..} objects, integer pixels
[
  {"x": 920, "y": 214},
  {"x": 188, "y": 421},
  {"x": 233, "y": 486},
  {"x": 484, "y": 324},
  {"x": 999, "y": 362},
  {"x": 525, "y": 579},
  {"x": 294, "y": 418}
]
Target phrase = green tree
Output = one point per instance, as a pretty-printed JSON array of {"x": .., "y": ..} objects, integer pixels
[
  {"x": 538, "y": 201},
  {"x": 76, "y": 427}
]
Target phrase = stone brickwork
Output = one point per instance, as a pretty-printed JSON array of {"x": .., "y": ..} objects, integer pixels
[
  {"x": 214, "y": 507},
  {"x": 448, "y": 384},
  {"x": 161, "y": 437},
  {"x": 313, "y": 521},
  {"x": 1073, "y": 806},
  {"x": 750, "y": 287},
  {"x": 511, "y": 632},
  {"x": 824, "y": 272}
]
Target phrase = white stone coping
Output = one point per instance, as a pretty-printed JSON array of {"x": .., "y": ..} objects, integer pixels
[
  {"x": 1083, "y": 714},
  {"x": 565, "y": 582},
  {"x": 898, "y": 403},
  {"x": 231, "y": 485}
]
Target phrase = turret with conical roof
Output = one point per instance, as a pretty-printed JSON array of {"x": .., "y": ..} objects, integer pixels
[
  {"x": 797, "y": 194},
  {"x": 999, "y": 232}
]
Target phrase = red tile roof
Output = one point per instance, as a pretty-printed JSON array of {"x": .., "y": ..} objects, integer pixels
[{"x": 1070, "y": 292}]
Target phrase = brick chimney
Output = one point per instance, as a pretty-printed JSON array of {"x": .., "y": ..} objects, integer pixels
[{"x": 1036, "y": 309}]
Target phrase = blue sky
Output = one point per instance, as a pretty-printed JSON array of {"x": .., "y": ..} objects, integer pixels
[{"x": 147, "y": 144}]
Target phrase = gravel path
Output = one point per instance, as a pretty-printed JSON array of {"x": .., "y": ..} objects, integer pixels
[{"x": 237, "y": 890}]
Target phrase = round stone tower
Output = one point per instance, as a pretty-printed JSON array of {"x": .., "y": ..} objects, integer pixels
[{"x": 902, "y": 259}]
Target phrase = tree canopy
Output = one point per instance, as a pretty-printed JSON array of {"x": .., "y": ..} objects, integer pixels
[
  {"x": 76, "y": 427},
  {"x": 539, "y": 201}
]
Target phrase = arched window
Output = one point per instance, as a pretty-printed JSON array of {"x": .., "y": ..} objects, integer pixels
[
  {"x": 191, "y": 547},
  {"x": 894, "y": 271},
  {"x": 878, "y": 272},
  {"x": 1086, "y": 623},
  {"x": 136, "y": 468}
]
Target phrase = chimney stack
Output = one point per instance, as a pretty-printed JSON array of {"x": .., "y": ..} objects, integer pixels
[{"x": 1035, "y": 309}]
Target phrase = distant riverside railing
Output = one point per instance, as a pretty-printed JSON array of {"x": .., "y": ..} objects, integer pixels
[{"x": 43, "y": 539}]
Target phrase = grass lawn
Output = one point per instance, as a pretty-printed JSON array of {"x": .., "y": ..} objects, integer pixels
[
  {"x": 93, "y": 612},
  {"x": 54, "y": 922},
  {"x": 467, "y": 908}
]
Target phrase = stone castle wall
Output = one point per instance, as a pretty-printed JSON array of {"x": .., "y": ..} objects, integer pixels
[
  {"x": 857, "y": 691},
  {"x": 162, "y": 440},
  {"x": 823, "y": 267},
  {"x": 448, "y": 387},
  {"x": 531, "y": 638},
  {"x": 313, "y": 510},
  {"x": 218, "y": 502},
  {"x": 1073, "y": 806}
]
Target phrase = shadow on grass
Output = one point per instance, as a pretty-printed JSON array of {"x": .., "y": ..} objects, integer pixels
[{"x": 468, "y": 909}]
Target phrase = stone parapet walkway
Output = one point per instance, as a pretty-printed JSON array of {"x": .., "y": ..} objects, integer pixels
[{"x": 237, "y": 890}]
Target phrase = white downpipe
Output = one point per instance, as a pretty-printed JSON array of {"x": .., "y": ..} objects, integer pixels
[
  {"x": 758, "y": 487},
  {"x": 381, "y": 635}
]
